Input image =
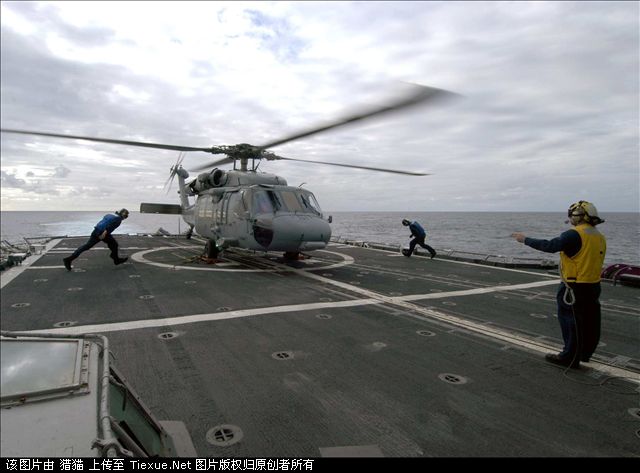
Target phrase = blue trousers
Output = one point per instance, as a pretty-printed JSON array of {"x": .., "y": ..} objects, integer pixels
[
  {"x": 420, "y": 241},
  {"x": 579, "y": 322},
  {"x": 93, "y": 240}
]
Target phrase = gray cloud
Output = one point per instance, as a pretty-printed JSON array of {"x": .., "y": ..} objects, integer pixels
[
  {"x": 550, "y": 108},
  {"x": 61, "y": 171},
  {"x": 10, "y": 181}
]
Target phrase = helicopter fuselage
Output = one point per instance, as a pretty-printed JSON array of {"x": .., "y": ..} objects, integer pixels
[{"x": 255, "y": 211}]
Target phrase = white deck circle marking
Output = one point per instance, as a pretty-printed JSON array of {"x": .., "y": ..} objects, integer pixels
[{"x": 139, "y": 257}]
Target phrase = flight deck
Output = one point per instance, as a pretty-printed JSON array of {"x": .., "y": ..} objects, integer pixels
[{"x": 351, "y": 351}]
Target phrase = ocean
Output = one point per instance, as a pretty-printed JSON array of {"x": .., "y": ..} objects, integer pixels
[{"x": 474, "y": 232}]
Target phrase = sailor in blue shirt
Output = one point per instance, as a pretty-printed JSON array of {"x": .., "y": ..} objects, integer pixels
[
  {"x": 418, "y": 234},
  {"x": 102, "y": 232}
]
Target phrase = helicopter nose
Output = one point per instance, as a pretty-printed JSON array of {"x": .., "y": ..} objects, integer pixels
[{"x": 299, "y": 233}]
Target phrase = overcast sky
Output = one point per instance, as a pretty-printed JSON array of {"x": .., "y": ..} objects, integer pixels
[{"x": 550, "y": 113}]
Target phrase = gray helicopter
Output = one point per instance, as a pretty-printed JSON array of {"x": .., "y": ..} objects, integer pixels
[{"x": 249, "y": 209}]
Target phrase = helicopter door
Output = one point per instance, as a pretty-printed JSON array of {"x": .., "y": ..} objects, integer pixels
[
  {"x": 233, "y": 217},
  {"x": 204, "y": 216}
]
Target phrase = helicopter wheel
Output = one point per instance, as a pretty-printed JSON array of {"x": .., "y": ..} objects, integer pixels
[{"x": 211, "y": 249}]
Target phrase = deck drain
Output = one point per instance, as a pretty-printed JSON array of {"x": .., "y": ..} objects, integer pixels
[
  {"x": 74, "y": 289},
  {"x": 224, "y": 309},
  {"x": 323, "y": 316},
  {"x": 282, "y": 355},
  {"x": 167, "y": 335},
  {"x": 327, "y": 275},
  {"x": 426, "y": 333},
  {"x": 20, "y": 304},
  {"x": 452, "y": 378},
  {"x": 449, "y": 303},
  {"x": 500, "y": 296},
  {"x": 65, "y": 323},
  {"x": 134, "y": 275},
  {"x": 79, "y": 270},
  {"x": 356, "y": 283},
  {"x": 634, "y": 411},
  {"x": 538, "y": 316},
  {"x": 224, "y": 435},
  {"x": 189, "y": 282},
  {"x": 146, "y": 296},
  {"x": 40, "y": 280}
]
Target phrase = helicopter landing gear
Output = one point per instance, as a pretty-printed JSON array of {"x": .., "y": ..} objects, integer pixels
[
  {"x": 295, "y": 256},
  {"x": 211, "y": 250}
]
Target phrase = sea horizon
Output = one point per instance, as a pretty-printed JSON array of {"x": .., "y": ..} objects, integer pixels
[{"x": 486, "y": 232}]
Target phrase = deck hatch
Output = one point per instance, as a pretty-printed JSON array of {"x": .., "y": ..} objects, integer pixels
[
  {"x": 224, "y": 435},
  {"x": 452, "y": 378},
  {"x": 41, "y": 369},
  {"x": 167, "y": 335},
  {"x": 426, "y": 333},
  {"x": 282, "y": 355}
]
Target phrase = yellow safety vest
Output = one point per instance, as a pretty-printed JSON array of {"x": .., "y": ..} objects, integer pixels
[{"x": 586, "y": 265}]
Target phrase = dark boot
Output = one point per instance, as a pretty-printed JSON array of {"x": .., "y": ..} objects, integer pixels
[
  {"x": 562, "y": 361},
  {"x": 433, "y": 255},
  {"x": 118, "y": 261},
  {"x": 67, "y": 262}
]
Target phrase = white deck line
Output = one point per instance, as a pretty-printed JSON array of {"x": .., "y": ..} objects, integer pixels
[{"x": 372, "y": 297}]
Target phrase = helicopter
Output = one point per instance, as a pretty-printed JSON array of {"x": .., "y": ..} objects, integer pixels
[{"x": 246, "y": 208}]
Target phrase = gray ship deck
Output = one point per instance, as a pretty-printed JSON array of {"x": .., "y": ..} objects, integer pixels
[{"x": 354, "y": 352}]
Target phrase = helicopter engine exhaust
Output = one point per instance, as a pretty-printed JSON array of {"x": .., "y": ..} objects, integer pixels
[{"x": 208, "y": 180}]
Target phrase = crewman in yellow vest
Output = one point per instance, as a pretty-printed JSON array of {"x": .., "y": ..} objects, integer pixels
[{"x": 582, "y": 251}]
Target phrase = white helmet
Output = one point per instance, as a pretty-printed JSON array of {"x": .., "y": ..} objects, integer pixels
[{"x": 587, "y": 209}]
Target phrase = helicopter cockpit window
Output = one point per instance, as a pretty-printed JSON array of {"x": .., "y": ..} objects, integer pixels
[
  {"x": 276, "y": 200},
  {"x": 310, "y": 203},
  {"x": 291, "y": 201},
  {"x": 262, "y": 203}
]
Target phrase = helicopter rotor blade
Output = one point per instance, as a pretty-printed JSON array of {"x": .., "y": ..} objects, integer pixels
[
  {"x": 213, "y": 164},
  {"x": 419, "y": 94},
  {"x": 394, "y": 171},
  {"x": 173, "y": 172},
  {"x": 213, "y": 150}
]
